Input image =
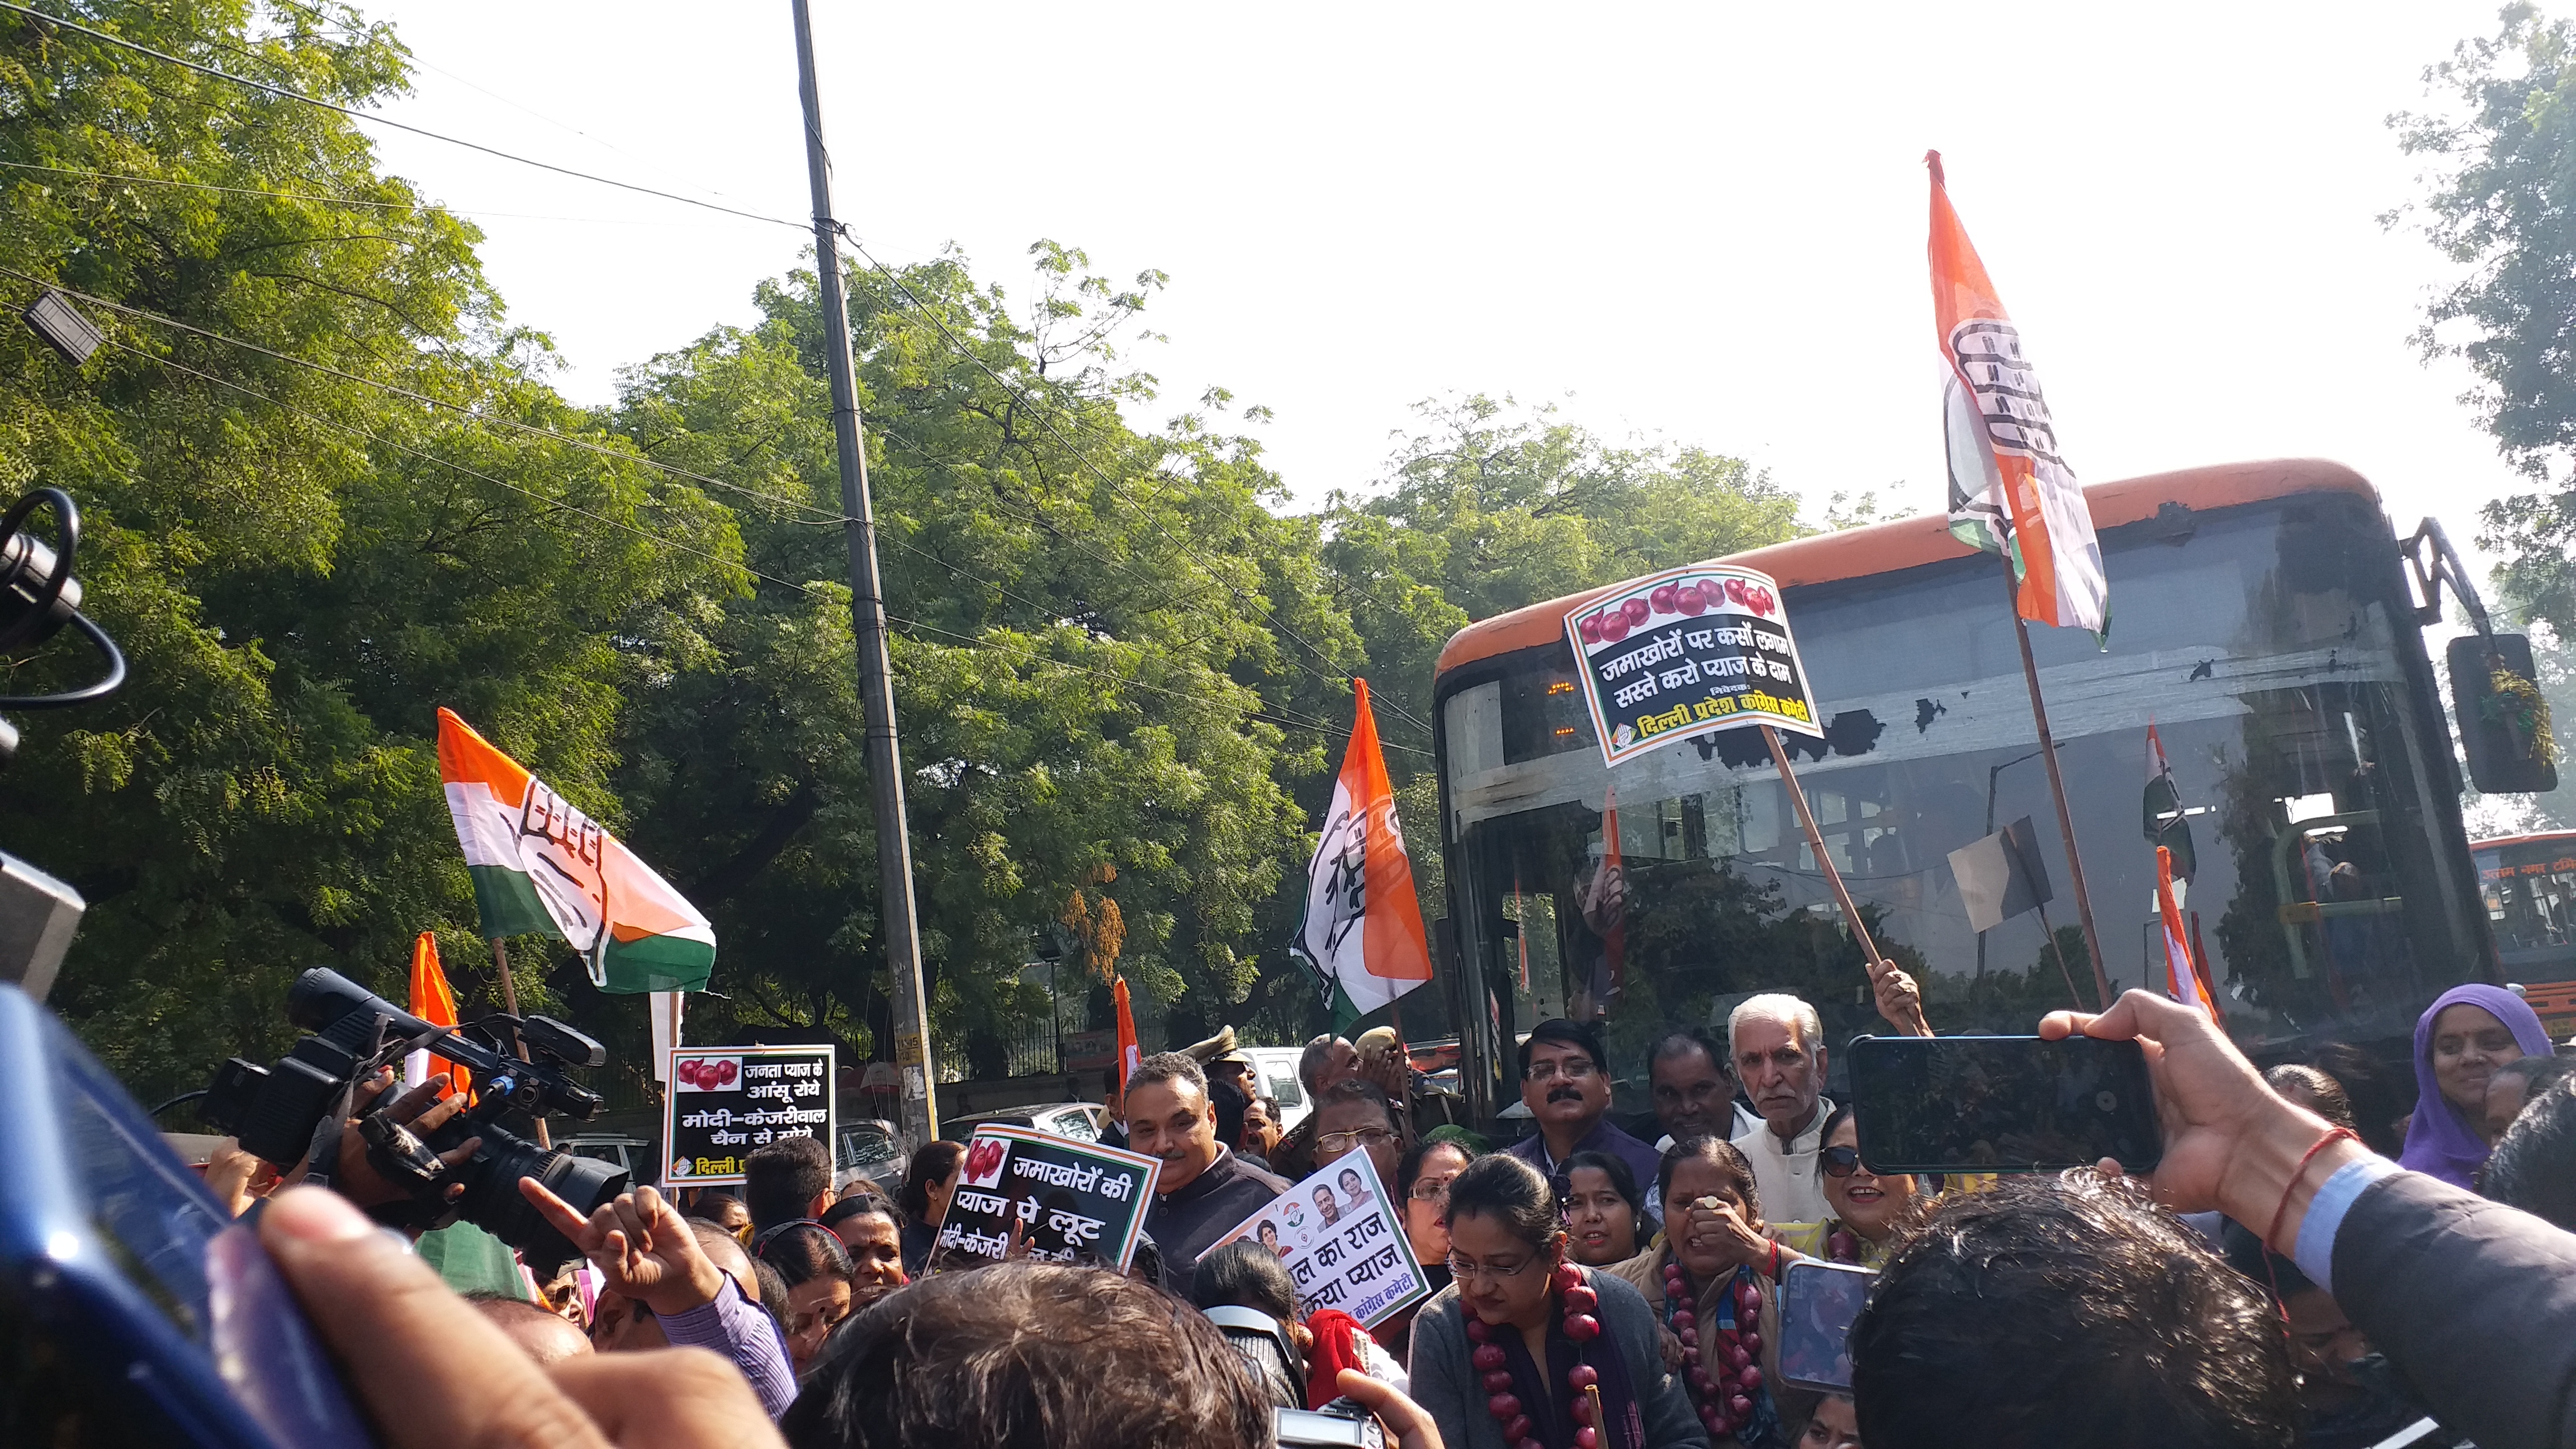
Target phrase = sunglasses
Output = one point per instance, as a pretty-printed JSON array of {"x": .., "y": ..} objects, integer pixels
[{"x": 1840, "y": 1161}]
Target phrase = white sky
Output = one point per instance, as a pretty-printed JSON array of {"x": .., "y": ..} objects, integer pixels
[{"x": 1701, "y": 221}]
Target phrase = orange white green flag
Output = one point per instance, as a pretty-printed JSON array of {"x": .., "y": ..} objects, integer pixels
[
  {"x": 1362, "y": 932},
  {"x": 542, "y": 866},
  {"x": 2010, "y": 490}
]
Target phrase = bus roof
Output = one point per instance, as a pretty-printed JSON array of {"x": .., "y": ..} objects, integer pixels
[
  {"x": 2504, "y": 842},
  {"x": 1906, "y": 542}
]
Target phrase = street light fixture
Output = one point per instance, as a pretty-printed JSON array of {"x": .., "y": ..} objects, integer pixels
[{"x": 64, "y": 329}]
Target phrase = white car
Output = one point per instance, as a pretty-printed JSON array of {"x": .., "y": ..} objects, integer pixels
[{"x": 1277, "y": 1068}]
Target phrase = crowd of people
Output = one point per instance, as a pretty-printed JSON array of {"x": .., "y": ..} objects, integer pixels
[{"x": 1599, "y": 1284}]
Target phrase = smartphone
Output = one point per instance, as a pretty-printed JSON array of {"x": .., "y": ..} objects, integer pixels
[
  {"x": 132, "y": 1309},
  {"x": 2002, "y": 1104},
  {"x": 1818, "y": 1302},
  {"x": 1341, "y": 1424}
]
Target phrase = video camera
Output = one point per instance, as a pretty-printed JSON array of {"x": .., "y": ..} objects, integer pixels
[{"x": 276, "y": 1111}]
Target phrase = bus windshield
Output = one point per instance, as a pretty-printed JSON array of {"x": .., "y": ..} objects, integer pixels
[
  {"x": 2529, "y": 882},
  {"x": 2272, "y": 645}
]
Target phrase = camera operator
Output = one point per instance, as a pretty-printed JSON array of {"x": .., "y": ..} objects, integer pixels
[{"x": 645, "y": 1252}]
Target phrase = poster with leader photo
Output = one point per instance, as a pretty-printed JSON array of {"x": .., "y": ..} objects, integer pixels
[
  {"x": 1343, "y": 1242},
  {"x": 725, "y": 1102},
  {"x": 1026, "y": 1193},
  {"x": 1686, "y": 652}
]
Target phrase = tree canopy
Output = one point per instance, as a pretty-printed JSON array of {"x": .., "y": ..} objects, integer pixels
[{"x": 328, "y": 489}]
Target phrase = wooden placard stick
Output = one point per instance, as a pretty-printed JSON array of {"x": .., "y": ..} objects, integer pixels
[{"x": 1816, "y": 840}]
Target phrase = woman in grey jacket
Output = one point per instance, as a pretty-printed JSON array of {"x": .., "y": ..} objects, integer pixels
[{"x": 1525, "y": 1350}]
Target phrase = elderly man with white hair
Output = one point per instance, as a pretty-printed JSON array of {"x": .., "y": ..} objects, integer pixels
[{"x": 1777, "y": 1049}]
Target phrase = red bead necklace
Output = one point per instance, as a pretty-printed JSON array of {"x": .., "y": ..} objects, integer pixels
[
  {"x": 1579, "y": 1302},
  {"x": 1724, "y": 1396}
]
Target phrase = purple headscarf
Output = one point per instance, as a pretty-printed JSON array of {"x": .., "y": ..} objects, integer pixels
[{"x": 2438, "y": 1141}]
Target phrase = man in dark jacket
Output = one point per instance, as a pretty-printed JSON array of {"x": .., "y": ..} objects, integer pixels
[{"x": 1203, "y": 1189}]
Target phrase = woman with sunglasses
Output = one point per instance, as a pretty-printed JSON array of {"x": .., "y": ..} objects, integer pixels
[
  {"x": 1525, "y": 1350},
  {"x": 1710, "y": 1284},
  {"x": 1868, "y": 1208},
  {"x": 1602, "y": 1210}
]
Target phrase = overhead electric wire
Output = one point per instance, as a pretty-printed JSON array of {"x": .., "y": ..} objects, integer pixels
[
  {"x": 824, "y": 516},
  {"x": 327, "y": 199},
  {"x": 358, "y": 115},
  {"x": 957, "y": 345}
]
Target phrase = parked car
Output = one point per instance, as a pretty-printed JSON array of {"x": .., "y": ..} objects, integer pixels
[
  {"x": 632, "y": 1153},
  {"x": 870, "y": 1148},
  {"x": 1081, "y": 1121},
  {"x": 1278, "y": 1071}
]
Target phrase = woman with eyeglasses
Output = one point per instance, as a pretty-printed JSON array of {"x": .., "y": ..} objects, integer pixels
[
  {"x": 1603, "y": 1212},
  {"x": 1710, "y": 1284},
  {"x": 1526, "y": 1350},
  {"x": 1868, "y": 1208},
  {"x": 1422, "y": 1181}
]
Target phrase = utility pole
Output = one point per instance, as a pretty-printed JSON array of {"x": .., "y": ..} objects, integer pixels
[{"x": 897, "y": 926}]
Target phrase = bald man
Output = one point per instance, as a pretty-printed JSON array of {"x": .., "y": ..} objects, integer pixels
[{"x": 543, "y": 1336}]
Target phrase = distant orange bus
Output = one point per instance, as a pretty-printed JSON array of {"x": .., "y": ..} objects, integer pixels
[
  {"x": 2261, "y": 618},
  {"x": 2529, "y": 884}
]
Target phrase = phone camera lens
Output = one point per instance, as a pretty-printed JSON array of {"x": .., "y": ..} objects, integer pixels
[{"x": 2106, "y": 1101}]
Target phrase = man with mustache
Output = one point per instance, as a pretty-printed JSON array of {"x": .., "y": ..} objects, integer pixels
[
  {"x": 1203, "y": 1189},
  {"x": 1565, "y": 1082}
]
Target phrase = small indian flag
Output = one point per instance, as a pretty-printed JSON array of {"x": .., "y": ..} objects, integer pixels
[
  {"x": 2182, "y": 980},
  {"x": 1363, "y": 929},
  {"x": 540, "y": 865}
]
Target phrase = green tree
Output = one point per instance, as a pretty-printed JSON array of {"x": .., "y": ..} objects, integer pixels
[
  {"x": 301, "y": 567},
  {"x": 1489, "y": 506},
  {"x": 2502, "y": 203}
]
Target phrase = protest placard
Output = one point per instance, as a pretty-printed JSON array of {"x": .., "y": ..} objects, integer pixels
[
  {"x": 1684, "y": 652},
  {"x": 1068, "y": 1201},
  {"x": 726, "y": 1101},
  {"x": 1343, "y": 1243}
]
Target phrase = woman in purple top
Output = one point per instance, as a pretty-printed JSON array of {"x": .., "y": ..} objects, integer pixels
[{"x": 2460, "y": 1040}]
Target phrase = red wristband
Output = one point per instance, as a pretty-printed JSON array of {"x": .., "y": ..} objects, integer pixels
[{"x": 2339, "y": 1134}]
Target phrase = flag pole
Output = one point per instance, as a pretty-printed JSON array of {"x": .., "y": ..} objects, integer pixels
[
  {"x": 510, "y": 1004},
  {"x": 1816, "y": 840},
  {"x": 2056, "y": 785}
]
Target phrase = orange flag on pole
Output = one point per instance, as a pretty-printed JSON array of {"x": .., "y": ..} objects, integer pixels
[
  {"x": 2010, "y": 491},
  {"x": 2182, "y": 979},
  {"x": 1130, "y": 1056},
  {"x": 1362, "y": 933},
  {"x": 432, "y": 1002}
]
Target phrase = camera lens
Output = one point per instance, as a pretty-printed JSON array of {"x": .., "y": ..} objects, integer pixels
[{"x": 493, "y": 1203}]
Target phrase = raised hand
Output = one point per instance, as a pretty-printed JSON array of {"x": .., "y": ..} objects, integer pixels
[
  {"x": 1900, "y": 1001},
  {"x": 438, "y": 1374},
  {"x": 641, "y": 1245}
]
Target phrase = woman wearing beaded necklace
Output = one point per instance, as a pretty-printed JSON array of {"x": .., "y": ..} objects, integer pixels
[
  {"x": 1525, "y": 1350},
  {"x": 1709, "y": 1283}
]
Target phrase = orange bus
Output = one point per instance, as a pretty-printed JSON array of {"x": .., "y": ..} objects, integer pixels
[
  {"x": 2529, "y": 882},
  {"x": 2262, "y": 617}
]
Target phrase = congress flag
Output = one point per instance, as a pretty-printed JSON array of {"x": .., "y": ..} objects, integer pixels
[
  {"x": 2010, "y": 491},
  {"x": 2182, "y": 979},
  {"x": 1130, "y": 1055},
  {"x": 1363, "y": 928},
  {"x": 540, "y": 865},
  {"x": 432, "y": 1002}
]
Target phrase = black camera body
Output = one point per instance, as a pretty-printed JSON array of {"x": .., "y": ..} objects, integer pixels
[{"x": 274, "y": 1111}]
